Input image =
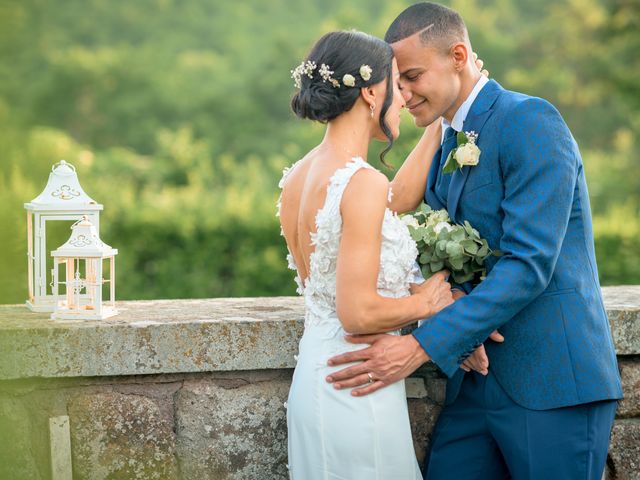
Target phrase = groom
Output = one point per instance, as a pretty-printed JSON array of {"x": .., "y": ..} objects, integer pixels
[{"x": 545, "y": 408}]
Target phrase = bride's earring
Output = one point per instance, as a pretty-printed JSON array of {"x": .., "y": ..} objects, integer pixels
[{"x": 373, "y": 109}]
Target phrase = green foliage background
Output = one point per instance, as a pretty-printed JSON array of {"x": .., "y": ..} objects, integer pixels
[{"x": 176, "y": 115}]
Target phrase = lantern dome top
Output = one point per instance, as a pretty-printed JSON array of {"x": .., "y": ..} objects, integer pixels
[
  {"x": 84, "y": 242},
  {"x": 63, "y": 192}
]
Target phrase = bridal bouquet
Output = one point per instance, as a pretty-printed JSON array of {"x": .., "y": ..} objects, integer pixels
[{"x": 443, "y": 244}]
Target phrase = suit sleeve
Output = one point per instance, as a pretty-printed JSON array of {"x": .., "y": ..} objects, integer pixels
[{"x": 539, "y": 163}]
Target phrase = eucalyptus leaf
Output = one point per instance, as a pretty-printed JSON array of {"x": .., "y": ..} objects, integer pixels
[
  {"x": 471, "y": 247},
  {"x": 456, "y": 263},
  {"x": 455, "y": 249},
  {"x": 458, "y": 233},
  {"x": 436, "y": 266},
  {"x": 462, "y": 278},
  {"x": 429, "y": 235},
  {"x": 468, "y": 228},
  {"x": 426, "y": 271},
  {"x": 440, "y": 254},
  {"x": 415, "y": 233},
  {"x": 450, "y": 165},
  {"x": 444, "y": 234}
]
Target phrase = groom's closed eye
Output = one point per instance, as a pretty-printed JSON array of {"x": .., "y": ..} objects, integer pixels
[{"x": 411, "y": 76}]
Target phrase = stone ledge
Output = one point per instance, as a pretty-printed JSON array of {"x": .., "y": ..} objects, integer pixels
[
  {"x": 151, "y": 337},
  {"x": 623, "y": 309},
  {"x": 171, "y": 336}
]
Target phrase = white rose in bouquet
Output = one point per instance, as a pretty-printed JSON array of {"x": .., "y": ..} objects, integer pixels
[
  {"x": 410, "y": 221},
  {"x": 442, "y": 225}
]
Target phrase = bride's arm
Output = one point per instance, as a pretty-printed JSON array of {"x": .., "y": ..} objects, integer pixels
[
  {"x": 359, "y": 306},
  {"x": 409, "y": 183}
]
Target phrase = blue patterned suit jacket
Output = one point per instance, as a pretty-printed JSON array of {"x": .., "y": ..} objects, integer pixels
[{"x": 528, "y": 197}]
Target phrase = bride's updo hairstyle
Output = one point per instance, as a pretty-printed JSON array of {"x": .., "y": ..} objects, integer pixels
[{"x": 324, "y": 96}]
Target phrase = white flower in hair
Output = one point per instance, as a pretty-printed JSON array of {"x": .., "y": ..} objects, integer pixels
[
  {"x": 325, "y": 72},
  {"x": 305, "y": 68},
  {"x": 365, "y": 72},
  {"x": 349, "y": 80}
]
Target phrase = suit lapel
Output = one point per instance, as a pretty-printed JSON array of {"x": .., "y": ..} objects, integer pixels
[{"x": 479, "y": 113}]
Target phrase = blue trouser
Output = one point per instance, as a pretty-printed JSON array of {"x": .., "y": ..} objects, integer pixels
[{"x": 483, "y": 434}]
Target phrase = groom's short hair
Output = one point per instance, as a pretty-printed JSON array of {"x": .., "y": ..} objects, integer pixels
[{"x": 438, "y": 25}]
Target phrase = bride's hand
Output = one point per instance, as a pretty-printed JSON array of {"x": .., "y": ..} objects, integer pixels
[
  {"x": 480, "y": 64},
  {"x": 436, "y": 292},
  {"x": 433, "y": 133}
]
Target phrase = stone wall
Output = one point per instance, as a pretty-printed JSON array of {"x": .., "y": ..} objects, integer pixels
[{"x": 195, "y": 389}]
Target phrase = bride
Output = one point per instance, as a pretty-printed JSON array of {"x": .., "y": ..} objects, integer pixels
[{"x": 354, "y": 259}]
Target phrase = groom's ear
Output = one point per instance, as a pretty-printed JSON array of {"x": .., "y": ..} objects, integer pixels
[{"x": 460, "y": 54}]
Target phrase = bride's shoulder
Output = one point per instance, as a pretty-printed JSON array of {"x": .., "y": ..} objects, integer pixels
[
  {"x": 367, "y": 185},
  {"x": 370, "y": 177}
]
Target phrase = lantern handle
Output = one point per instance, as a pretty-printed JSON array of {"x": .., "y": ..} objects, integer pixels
[
  {"x": 84, "y": 218},
  {"x": 63, "y": 163}
]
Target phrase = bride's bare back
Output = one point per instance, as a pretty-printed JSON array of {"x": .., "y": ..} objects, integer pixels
[{"x": 304, "y": 193}]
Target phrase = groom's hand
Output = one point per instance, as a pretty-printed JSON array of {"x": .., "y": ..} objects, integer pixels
[
  {"x": 480, "y": 64},
  {"x": 389, "y": 358},
  {"x": 478, "y": 360}
]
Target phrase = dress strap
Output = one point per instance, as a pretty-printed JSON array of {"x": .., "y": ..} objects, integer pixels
[{"x": 339, "y": 181}]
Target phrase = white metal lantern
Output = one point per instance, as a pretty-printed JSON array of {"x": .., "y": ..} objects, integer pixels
[
  {"x": 82, "y": 257},
  {"x": 62, "y": 199}
]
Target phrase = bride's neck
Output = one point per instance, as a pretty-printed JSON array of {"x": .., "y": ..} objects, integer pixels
[{"x": 346, "y": 136}]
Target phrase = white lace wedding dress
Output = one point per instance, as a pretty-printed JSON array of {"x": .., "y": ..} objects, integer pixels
[{"x": 332, "y": 434}]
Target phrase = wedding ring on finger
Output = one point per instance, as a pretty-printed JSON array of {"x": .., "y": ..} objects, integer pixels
[{"x": 371, "y": 380}]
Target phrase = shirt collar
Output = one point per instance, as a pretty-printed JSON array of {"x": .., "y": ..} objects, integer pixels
[{"x": 461, "y": 115}]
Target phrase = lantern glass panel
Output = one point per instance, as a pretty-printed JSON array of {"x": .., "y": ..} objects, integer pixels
[
  {"x": 106, "y": 280},
  {"x": 57, "y": 234},
  {"x": 79, "y": 268}
]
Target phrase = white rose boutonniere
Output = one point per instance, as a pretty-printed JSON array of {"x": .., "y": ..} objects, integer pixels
[{"x": 466, "y": 153}]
